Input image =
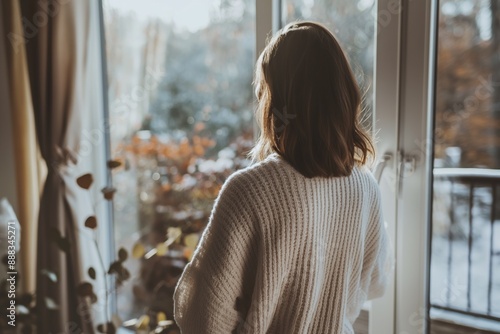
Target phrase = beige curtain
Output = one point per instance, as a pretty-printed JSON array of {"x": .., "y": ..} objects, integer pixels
[
  {"x": 56, "y": 43},
  {"x": 29, "y": 171}
]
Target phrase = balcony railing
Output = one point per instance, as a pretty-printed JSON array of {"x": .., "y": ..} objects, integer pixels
[{"x": 466, "y": 242}]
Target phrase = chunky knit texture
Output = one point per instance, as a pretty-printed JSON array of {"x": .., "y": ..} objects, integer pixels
[{"x": 285, "y": 254}]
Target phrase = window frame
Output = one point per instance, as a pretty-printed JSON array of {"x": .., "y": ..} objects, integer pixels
[{"x": 109, "y": 233}]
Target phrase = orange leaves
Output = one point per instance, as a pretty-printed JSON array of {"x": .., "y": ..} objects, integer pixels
[
  {"x": 199, "y": 150},
  {"x": 166, "y": 187},
  {"x": 199, "y": 127},
  {"x": 179, "y": 151}
]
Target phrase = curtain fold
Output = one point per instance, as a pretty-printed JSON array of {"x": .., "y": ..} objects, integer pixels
[
  {"x": 29, "y": 172},
  {"x": 56, "y": 38}
]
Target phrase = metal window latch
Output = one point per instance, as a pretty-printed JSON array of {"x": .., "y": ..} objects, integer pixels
[
  {"x": 406, "y": 167},
  {"x": 409, "y": 165}
]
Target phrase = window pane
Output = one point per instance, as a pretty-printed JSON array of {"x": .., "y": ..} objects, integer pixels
[
  {"x": 353, "y": 24},
  {"x": 464, "y": 275},
  {"x": 181, "y": 114}
]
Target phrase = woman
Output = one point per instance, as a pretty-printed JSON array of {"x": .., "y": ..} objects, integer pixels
[{"x": 296, "y": 242}]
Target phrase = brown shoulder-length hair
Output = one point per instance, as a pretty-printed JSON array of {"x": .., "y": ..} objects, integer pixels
[{"x": 309, "y": 103}]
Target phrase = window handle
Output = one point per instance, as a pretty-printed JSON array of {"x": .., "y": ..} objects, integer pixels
[{"x": 381, "y": 165}]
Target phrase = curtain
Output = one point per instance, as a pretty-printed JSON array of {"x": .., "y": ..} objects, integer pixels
[
  {"x": 29, "y": 172},
  {"x": 56, "y": 36}
]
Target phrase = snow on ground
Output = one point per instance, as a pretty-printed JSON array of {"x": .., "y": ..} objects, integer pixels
[{"x": 449, "y": 278}]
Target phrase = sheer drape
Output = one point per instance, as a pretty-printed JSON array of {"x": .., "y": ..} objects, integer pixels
[{"x": 57, "y": 43}]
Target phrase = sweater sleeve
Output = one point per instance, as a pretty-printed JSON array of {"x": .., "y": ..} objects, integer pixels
[
  {"x": 378, "y": 259},
  {"x": 215, "y": 286}
]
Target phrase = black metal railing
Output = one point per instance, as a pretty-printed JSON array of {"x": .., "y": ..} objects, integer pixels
[{"x": 464, "y": 185}]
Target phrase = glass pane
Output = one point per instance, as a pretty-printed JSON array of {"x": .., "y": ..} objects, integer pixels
[
  {"x": 465, "y": 267},
  {"x": 353, "y": 24},
  {"x": 181, "y": 114}
]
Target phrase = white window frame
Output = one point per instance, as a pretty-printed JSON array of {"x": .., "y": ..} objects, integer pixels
[{"x": 405, "y": 63}]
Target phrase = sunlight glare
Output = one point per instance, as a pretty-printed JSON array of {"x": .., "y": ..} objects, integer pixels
[{"x": 191, "y": 15}]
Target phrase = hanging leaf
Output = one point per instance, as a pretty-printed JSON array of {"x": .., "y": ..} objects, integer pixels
[
  {"x": 173, "y": 235},
  {"x": 161, "y": 249},
  {"x": 112, "y": 164},
  {"x": 125, "y": 274},
  {"x": 108, "y": 193},
  {"x": 116, "y": 320},
  {"x": 121, "y": 273},
  {"x": 101, "y": 328},
  {"x": 138, "y": 250},
  {"x": 122, "y": 254},
  {"x": 160, "y": 316},
  {"x": 115, "y": 267},
  {"x": 111, "y": 328},
  {"x": 108, "y": 328},
  {"x": 91, "y": 222},
  {"x": 143, "y": 322},
  {"x": 85, "y": 289},
  {"x": 50, "y": 275},
  {"x": 61, "y": 242},
  {"x": 91, "y": 272},
  {"x": 85, "y": 181},
  {"x": 93, "y": 298},
  {"x": 50, "y": 304},
  {"x": 191, "y": 240}
]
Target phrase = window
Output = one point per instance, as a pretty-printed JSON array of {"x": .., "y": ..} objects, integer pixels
[
  {"x": 464, "y": 272},
  {"x": 181, "y": 115}
]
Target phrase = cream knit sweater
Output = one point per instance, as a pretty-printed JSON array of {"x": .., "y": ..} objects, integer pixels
[{"x": 285, "y": 254}]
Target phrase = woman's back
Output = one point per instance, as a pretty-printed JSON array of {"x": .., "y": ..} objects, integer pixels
[
  {"x": 285, "y": 254},
  {"x": 293, "y": 249}
]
